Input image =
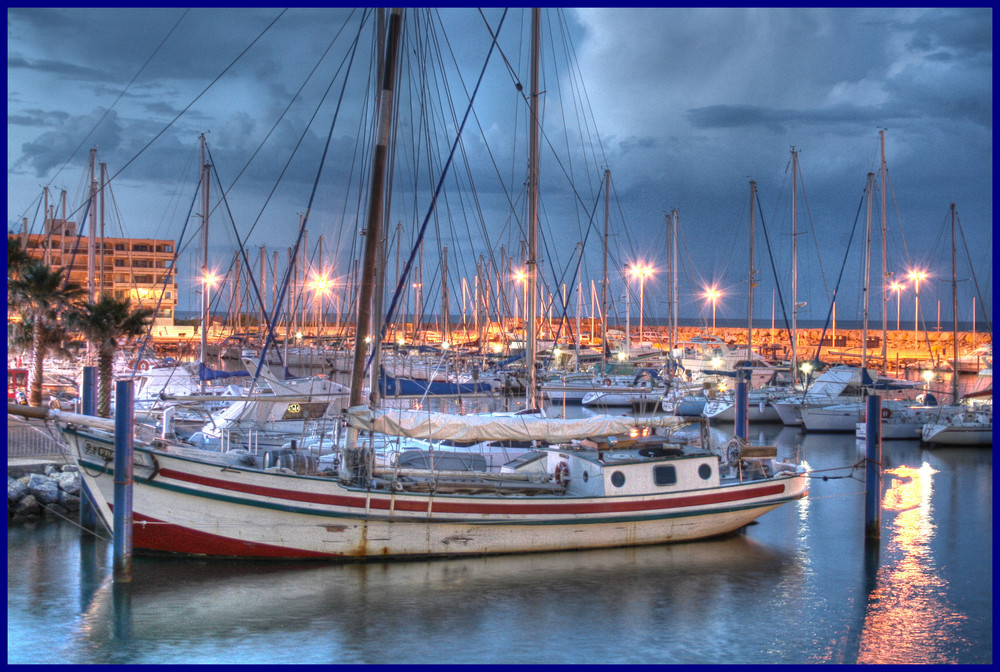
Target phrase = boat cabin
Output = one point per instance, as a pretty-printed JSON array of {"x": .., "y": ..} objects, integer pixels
[{"x": 650, "y": 469}]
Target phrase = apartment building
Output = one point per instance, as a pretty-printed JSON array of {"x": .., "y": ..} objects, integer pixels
[{"x": 138, "y": 268}]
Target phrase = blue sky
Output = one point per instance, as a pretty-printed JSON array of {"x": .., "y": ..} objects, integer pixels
[{"x": 683, "y": 106}]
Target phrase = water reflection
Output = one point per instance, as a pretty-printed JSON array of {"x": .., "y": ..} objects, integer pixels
[
  {"x": 430, "y": 611},
  {"x": 909, "y": 618}
]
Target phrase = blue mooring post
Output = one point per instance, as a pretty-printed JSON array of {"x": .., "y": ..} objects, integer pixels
[
  {"x": 88, "y": 515},
  {"x": 873, "y": 468},
  {"x": 124, "y": 413},
  {"x": 741, "y": 424}
]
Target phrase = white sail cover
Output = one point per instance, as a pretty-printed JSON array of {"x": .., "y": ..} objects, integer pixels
[{"x": 489, "y": 427}]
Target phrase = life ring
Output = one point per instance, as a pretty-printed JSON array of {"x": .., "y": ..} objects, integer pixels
[
  {"x": 886, "y": 413},
  {"x": 607, "y": 382},
  {"x": 143, "y": 365},
  {"x": 562, "y": 473}
]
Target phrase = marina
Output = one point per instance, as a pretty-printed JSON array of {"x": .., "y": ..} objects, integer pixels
[
  {"x": 799, "y": 587},
  {"x": 417, "y": 378}
]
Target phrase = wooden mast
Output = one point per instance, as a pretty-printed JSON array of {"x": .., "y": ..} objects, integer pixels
[
  {"x": 356, "y": 463},
  {"x": 532, "y": 261}
]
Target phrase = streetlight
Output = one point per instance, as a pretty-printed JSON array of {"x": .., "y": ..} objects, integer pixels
[
  {"x": 417, "y": 291},
  {"x": 522, "y": 276},
  {"x": 806, "y": 368},
  {"x": 898, "y": 288},
  {"x": 713, "y": 295},
  {"x": 916, "y": 276},
  {"x": 641, "y": 271},
  {"x": 208, "y": 279},
  {"x": 320, "y": 284}
]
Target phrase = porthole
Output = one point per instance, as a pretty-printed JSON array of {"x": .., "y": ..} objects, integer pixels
[
  {"x": 618, "y": 479},
  {"x": 705, "y": 472},
  {"x": 586, "y": 477}
]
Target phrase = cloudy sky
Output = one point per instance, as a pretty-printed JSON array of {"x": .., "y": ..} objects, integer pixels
[{"x": 684, "y": 107}]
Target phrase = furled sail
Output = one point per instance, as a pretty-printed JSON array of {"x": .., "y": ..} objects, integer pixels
[{"x": 490, "y": 427}]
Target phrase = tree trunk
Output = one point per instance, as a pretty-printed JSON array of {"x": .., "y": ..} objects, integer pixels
[
  {"x": 104, "y": 378},
  {"x": 37, "y": 362}
]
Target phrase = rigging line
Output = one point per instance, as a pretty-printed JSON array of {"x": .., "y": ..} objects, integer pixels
[
  {"x": 121, "y": 94},
  {"x": 196, "y": 98},
  {"x": 302, "y": 227},
  {"x": 975, "y": 280},
  {"x": 431, "y": 207},
  {"x": 166, "y": 280},
  {"x": 836, "y": 288},
  {"x": 503, "y": 183},
  {"x": 240, "y": 243},
  {"x": 284, "y": 112},
  {"x": 819, "y": 256},
  {"x": 774, "y": 270}
]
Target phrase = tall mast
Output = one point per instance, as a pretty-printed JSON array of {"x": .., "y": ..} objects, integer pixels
[
  {"x": 444, "y": 295},
  {"x": 353, "y": 464},
  {"x": 532, "y": 261},
  {"x": 104, "y": 179},
  {"x": 604, "y": 274},
  {"x": 885, "y": 267},
  {"x": 795, "y": 268},
  {"x": 676, "y": 221},
  {"x": 868, "y": 263},
  {"x": 954, "y": 300},
  {"x": 753, "y": 195},
  {"x": 205, "y": 284},
  {"x": 92, "y": 231}
]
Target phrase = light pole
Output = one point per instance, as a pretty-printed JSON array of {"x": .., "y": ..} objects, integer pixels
[
  {"x": 713, "y": 295},
  {"x": 208, "y": 279},
  {"x": 522, "y": 276},
  {"x": 642, "y": 271},
  {"x": 320, "y": 285},
  {"x": 417, "y": 290},
  {"x": 916, "y": 276},
  {"x": 898, "y": 288}
]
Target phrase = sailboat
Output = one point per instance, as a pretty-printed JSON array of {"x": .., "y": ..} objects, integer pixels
[{"x": 596, "y": 482}]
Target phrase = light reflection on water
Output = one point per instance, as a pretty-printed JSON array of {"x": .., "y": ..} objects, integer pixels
[
  {"x": 799, "y": 587},
  {"x": 909, "y": 617}
]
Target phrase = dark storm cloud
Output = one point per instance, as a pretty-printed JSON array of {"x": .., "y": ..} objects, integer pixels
[
  {"x": 776, "y": 120},
  {"x": 687, "y": 103}
]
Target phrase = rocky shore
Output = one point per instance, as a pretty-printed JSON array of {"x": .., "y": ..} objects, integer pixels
[{"x": 40, "y": 490}]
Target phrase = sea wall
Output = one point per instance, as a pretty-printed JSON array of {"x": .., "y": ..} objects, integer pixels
[{"x": 40, "y": 490}]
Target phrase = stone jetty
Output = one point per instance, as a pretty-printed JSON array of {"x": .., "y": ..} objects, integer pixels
[{"x": 39, "y": 489}]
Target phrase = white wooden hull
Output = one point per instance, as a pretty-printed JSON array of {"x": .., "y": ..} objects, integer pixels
[{"x": 188, "y": 506}]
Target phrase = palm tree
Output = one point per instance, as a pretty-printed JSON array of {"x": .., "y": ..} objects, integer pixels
[
  {"x": 17, "y": 257},
  {"x": 41, "y": 294},
  {"x": 104, "y": 323}
]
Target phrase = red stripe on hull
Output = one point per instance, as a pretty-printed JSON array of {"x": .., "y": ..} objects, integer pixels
[
  {"x": 496, "y": 506},
  {"x": 166, "y": 537}
]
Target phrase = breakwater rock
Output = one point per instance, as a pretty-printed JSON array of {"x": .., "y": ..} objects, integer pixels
[{"x": 49, "y": 489}]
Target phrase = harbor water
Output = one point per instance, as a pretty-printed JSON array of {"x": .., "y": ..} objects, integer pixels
[{"x": 799, "y": 586}]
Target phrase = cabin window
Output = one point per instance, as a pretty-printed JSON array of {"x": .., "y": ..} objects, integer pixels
[
  {"x": 586, "y": 477},
  {"x": 705, "y": 472},
  {"x": 618, "y": 479},
  {"x": 665, "y": 475}
]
